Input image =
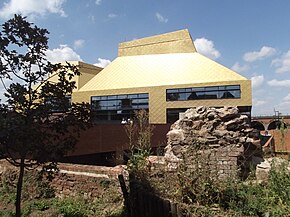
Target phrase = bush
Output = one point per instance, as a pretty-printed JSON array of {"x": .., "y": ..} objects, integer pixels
[
  {"x": 253, "y": 199},
  {"x": 6, "y": 213},
  {"x": 72, "y": 207},
  {"x": 41, "y": 205}
]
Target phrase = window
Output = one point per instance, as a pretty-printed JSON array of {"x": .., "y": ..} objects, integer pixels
[
  {"x": 117, "y": 107},
  {"x": 58, "y": 104},
  {"x": 173, "y": 115},
  {"x": 198, "y": 93}
]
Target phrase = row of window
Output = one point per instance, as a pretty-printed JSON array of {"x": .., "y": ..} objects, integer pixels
[
  {"x": 120, "y": 102},
  {"x": 113, "y": 115},
  {"x": 198, "y": 93}
]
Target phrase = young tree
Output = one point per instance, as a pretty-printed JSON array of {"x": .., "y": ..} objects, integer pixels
[{"x": 37, "y": 122}]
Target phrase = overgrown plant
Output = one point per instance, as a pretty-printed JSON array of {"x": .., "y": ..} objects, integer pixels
[
  {"x": 198, "y": 177},
  {"x": 37, "y": 122},
  {"x": 139, "y": 133},
  {"x": 283, "y": 128}
]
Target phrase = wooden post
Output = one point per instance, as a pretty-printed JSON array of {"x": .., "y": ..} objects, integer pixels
[
  {"x": 125, "y": 194},
  {"x": 173, "y": 209}
]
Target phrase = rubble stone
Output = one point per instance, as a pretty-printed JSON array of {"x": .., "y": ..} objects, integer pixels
[{"x": 224, "y": 131}]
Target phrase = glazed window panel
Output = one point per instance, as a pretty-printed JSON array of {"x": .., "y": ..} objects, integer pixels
[
  {"x": 211, "y": 94},
  {"x": 120, "y": 102},
  {"x": 203, "y": 93},
  {"x": 115, "y": 108}
]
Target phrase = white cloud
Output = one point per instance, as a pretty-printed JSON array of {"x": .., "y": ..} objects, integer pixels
[
  {"x": 282, "y": 63},
  {"x": 161, "y": 18},
  {"x": 102, "y": 62},
  {"x": 78, "y": 43},
  {"x": 32, "y": 8},
  {"x": 92, "y": 18},
  {"x": 258, "y": 55},
  {"x": 63, "y": 53},
  {"x": 258, "y": 102},
  {"x": 287, "y": 98},
  {"x": 112, "y": 16},
  {"x": 257, "y": 81},
  {"x": 282, "y": 83},
  {"x": 206, "y": 47},
  {"x": 239, "y": 68},
  {"x": 98, "y": 2}
]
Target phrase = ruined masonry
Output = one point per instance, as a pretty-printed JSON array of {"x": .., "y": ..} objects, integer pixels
[{"x": 223, "y": 135}]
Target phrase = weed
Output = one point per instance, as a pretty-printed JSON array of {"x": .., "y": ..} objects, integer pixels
[
  {"x": 41, "y": 205},
  {"x": 73, "y": 207}
]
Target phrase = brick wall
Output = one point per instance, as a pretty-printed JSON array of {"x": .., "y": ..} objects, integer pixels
[{"x": 72, "y": 180}]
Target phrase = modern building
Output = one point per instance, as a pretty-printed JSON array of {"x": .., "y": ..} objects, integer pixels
[{"x": 163, "y": 74}]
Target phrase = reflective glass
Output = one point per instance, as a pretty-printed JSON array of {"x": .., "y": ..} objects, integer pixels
[
  {"x": 198, "y": 88},
  {"x": 188, "y": 90},
  {"x": 132, "y": 96},
  {"x": 181, "y": 90},
  {"x": 200, "y": 95},
  {"x": 143, "y": 95},
  {"x": 210, "y": 95},
  {"x": 236, "y": 93},
  {"x": 182, "y": 96},
  {"x": 211, "y": 92},
  {"x": 112, "y": 97},
  {"x": 172, "y": 91},
  {"x": 122, "y": 97},
  {"x": 173, "y": 96},
  {"x": 96, "y": 97},
  {"x": 233, "y": 87},
  {"x": 211, "y": 88}
]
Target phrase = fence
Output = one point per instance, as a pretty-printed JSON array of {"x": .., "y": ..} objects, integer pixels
[{"x": 142, "y": 203}]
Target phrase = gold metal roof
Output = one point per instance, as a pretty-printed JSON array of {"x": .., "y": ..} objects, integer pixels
[
  {"x": 159, "y": 70},
  {"x": 172, "y": 42}
]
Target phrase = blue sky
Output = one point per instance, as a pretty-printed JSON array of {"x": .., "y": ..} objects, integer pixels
[{"x": 251, "y": 37}]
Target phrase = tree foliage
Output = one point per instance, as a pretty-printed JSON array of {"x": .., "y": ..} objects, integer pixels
[{"x": 37, "y": 122}]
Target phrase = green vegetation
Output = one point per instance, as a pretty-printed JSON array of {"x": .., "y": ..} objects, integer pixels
[
  {"x": 39, "y": 199},
  {"x": 139, "y": 133},
  {"x": 199, "y": 193},
  {"x": 37, "y": 122}
]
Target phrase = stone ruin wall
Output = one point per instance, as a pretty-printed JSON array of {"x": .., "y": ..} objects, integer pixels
[
  {"x": 224, "y": 138},
  {"x": 74, "y": 179},
  {"x": 225, "y": 133}
]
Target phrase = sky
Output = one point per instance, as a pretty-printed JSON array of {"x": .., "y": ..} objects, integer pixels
[{"x": 252, "y": 37}]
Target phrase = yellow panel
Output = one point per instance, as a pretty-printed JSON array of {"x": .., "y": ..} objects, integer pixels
[
  {"x": 245, "y": 100},
  {"x": 173, "y": 42},
  {"x": 157, "y": 105},
  {"x": 157, "y": 98},
  {"x": 87, "y": 71},
  {"x": 160, "y": 70},
  {"x": 154, "y": 64}
]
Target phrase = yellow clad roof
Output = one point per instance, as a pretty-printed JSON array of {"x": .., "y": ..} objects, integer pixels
[
  {"x": 166, "y": 59},
  {"x": 172, "y": 42},
  {"x": 160, "y": 69}
]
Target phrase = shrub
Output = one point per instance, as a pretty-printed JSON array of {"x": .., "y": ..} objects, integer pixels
[
  {"x": 254, "y": 199},
  {"x": 41, "y": 205},
  {"x": 70, "y": 207}
]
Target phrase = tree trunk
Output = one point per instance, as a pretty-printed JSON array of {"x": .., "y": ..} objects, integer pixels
[{"x": 19, "y": 189}]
